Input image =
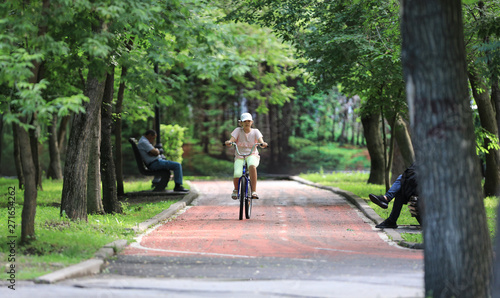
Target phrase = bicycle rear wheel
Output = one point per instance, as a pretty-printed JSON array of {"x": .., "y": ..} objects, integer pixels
[
  {"x": 248, "y": 201},
  {"x": 243, "y": 185}
]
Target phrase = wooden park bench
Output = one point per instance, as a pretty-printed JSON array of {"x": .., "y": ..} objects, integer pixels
[
  {"x": 162, "y": 177},
  {"x": 413, "y": 206}
]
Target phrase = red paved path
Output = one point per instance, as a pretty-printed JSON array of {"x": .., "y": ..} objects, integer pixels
[{"x": 290, "y": 220}]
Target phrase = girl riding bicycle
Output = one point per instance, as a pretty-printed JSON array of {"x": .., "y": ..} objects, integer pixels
[{"x": 246, "y": 137}]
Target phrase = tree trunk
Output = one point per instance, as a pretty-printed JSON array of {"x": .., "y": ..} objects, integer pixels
[
  {"x": 495, "y": 97},
  {"x": 61, "y": 133},
  {"x": 1, "y": 140},
  {"x": 273, "y": 135},
  {"x": 371, "y": 129},
  {"x": 35, "y": 154},
  {"x": 54, "y": 171},
  {"x": 74, "y": 194},
  {"x": 17, "y": 156},
  {"x": 94, "y": 200},
  {"x": 30, "y": 186},
  {"x": 118, "y": 134},
  {"x": 457, "y": 243},
  {"x": 488, "y": 123},
  {"x": 404, "y": 147},
  {"x": 110, "y": 198}
]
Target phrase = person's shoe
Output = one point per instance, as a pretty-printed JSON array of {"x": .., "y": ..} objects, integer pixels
[
  {"x": 234, "y": 195},
  {"x": 379, "y": 200},
  {"x": 180, "y": 188},
  {"x": 255, "y": 195},
  {"x": 387, "y": 224}
]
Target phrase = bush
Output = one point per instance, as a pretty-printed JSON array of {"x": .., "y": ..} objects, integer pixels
[
  {"x": 299, "y": 143},
  {"x": 172, "y": 137},
  {"x": 206, "y": 165},
  {"x": 329, "y": 157}
]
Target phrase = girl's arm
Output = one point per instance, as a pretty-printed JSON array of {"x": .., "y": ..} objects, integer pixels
[
  {"x": 261, "y": 140},
  {"x": 232, "y": 140}
]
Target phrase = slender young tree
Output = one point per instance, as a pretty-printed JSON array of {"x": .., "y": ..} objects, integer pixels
[{"x": 110, "y": 198}]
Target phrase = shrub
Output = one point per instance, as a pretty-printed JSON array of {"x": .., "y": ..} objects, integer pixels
[{"x": 172, "y": 137}]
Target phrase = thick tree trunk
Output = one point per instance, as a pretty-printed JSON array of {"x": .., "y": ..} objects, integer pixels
[
  {"x": 94, "y": 200},
  {"x": 110, "y": 198},
  {"x": 54, "y": 171},
  {"x": 373, "y": 137},
  {"x": 458, "y": 251},
  {"x": 30, "y": 187},
  {"x": 118, "y": 134},
  {"x": 74, "y": 194},
  {"x": 488, "y": 123}
]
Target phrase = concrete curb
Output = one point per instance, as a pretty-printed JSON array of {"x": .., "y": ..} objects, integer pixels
[
  {"x": 94, "y": 265},
  {"x": 364, "y": 208},
  {"x": 193, "y": 194}
]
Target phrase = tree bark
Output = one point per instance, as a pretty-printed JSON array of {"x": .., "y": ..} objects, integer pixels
[
  {"x": 30, "y": 187},
  {"x": 458, "y": 252},
  {"x": 373, "y": 137},
  {"x": 488, "y": 123},
  {"x": 495, "y": 97},
  {"x": 404, "y": 147},
  {"x": 108, "y": 176},
  {"x": 17, "y": 157},
  {"x": 1, "y": 140},
  {"x": 94, "y": 199},
  {"x": 61, "y": 133},
  {"x": 54, "y": 171},
  {"x": 74, "y": 194},
  {"x": 118, "y": 134}
]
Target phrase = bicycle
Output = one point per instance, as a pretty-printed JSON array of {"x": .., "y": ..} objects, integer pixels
[{"x": 244, "y": 184}]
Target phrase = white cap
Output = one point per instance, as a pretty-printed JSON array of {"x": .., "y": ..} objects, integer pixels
[{"x": 246, "y": 116}]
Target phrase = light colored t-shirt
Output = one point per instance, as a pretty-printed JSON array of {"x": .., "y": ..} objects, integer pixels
[
  {"x": 144, "y": 147},
  {"x": 245, "y": 141}
]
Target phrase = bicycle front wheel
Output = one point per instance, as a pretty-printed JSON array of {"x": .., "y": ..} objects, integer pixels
[
  {"x": 242, "y": 194},
  {"x": 248, "y": 201}
]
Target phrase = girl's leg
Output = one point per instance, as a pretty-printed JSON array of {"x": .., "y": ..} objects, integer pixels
[
  {"x": 253, "y": 163},
  {"x": 238, "y": 171},
  {"x": 253, "y": 177}
]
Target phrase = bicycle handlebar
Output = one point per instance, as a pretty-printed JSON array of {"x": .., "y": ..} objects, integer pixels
[{"x": 253, "y": 148}]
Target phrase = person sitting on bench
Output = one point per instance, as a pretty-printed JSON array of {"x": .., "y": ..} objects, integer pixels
[
  {"x": 402, "y": 189},
  {"x": 155, "y": 161}
]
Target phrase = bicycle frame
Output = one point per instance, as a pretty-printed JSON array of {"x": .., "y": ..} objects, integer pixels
[{"x": 243, "y": 194}]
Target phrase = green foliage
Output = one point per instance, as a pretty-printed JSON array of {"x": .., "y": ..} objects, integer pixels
[
  {"x": 329, "y": 157},
  {"x": 201, "y": 164},
  {"x": 481, "y": 136},
  {"x": 172, "y": 137}
]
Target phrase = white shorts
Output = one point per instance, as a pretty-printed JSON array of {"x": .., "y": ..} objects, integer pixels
[{"x": 252, "y": 160}]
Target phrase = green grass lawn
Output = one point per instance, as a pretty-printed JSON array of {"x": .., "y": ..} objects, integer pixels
[
  {"x": 60, "y": 242},
  {"x": 356, "y": 183}
]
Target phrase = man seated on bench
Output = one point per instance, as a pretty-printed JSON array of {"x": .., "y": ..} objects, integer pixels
[
  {"x": 155, "y": 161},
  {"x": 402, "y": 190}
]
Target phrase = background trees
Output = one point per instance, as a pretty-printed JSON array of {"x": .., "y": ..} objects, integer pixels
[
  {"x": 352, "y": 43},
  {"x": 322, "y": 69}
]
